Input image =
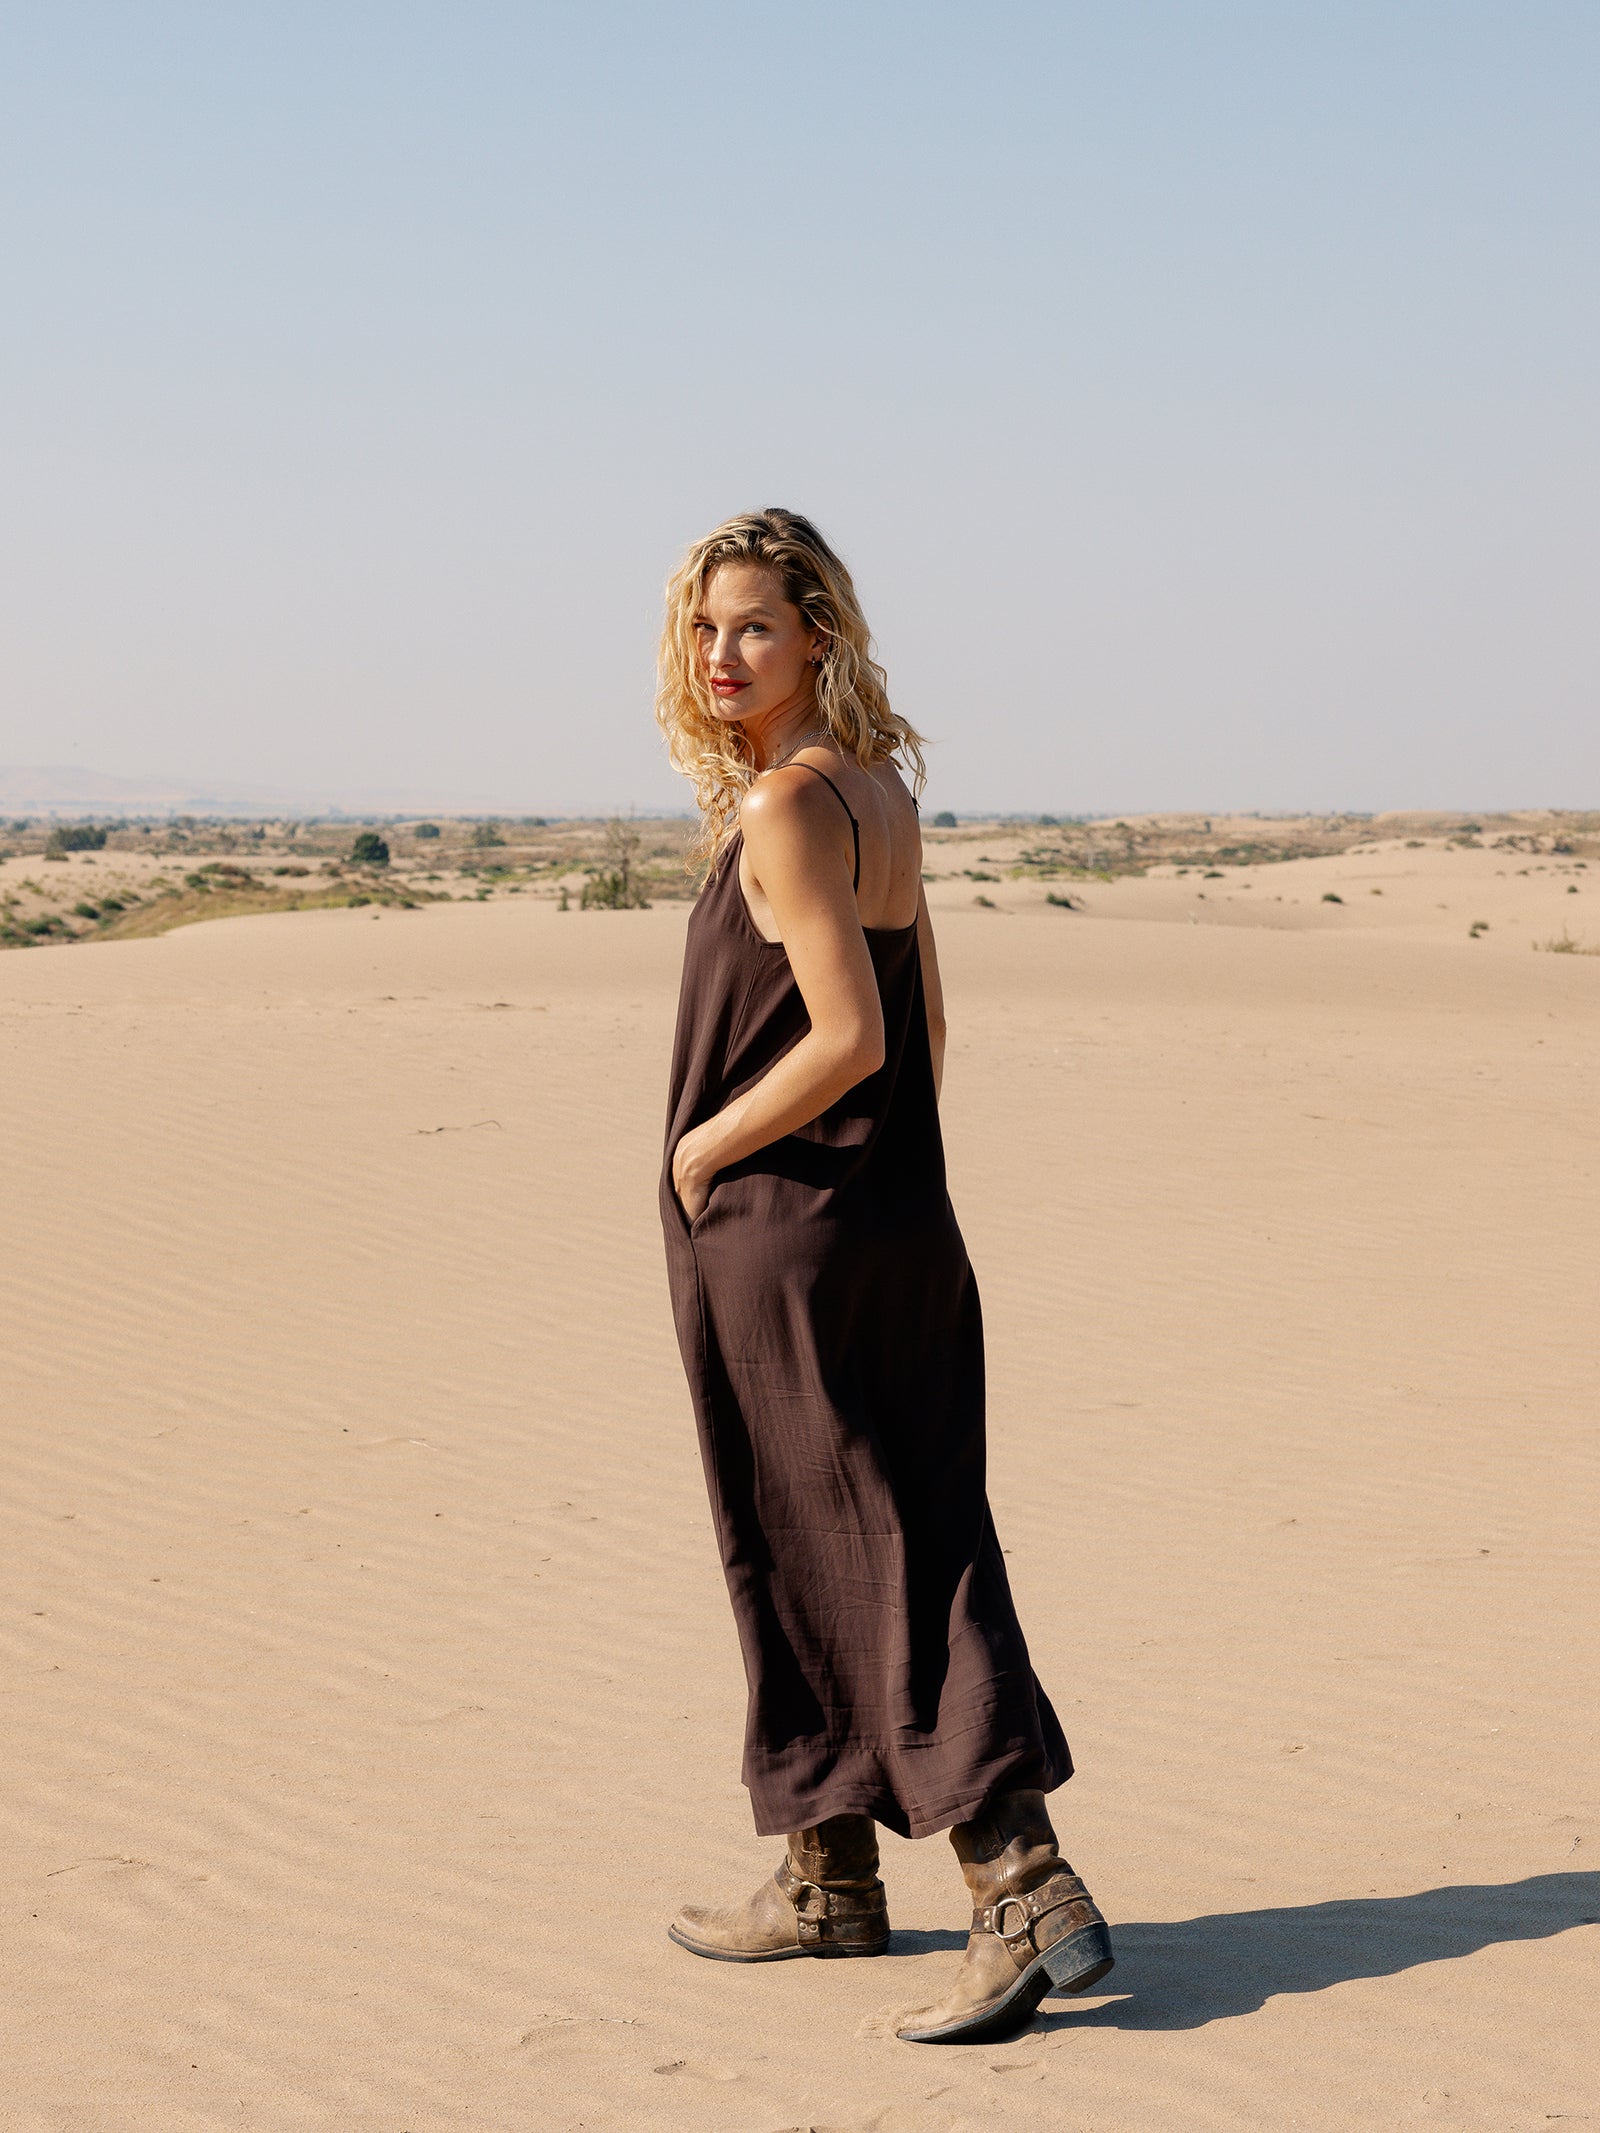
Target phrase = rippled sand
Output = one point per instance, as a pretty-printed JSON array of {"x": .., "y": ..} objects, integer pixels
[{"x": 371, "y": 1692}]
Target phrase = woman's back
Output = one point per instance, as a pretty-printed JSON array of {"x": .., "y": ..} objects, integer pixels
[{"x": 887, "y": 838}]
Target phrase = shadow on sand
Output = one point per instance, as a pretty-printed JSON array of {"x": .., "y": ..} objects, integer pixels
[{"x": 1200, "y": 1970}]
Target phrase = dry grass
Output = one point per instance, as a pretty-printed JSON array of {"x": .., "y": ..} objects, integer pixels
[{"x": 188, "y": 907}]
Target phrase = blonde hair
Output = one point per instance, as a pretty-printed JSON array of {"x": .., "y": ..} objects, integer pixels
[{"x": 852, "y": 689}]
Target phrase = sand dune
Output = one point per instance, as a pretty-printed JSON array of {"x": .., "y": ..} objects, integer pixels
[{"x": 372, "y": 1697}]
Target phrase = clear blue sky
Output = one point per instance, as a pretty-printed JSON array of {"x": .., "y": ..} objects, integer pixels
[{"x": 1205, "y": 395}]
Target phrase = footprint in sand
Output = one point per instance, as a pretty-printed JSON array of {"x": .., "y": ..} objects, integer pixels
[{"x": 697, "y": 2070}]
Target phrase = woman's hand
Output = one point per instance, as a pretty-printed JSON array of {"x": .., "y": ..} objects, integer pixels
[
  {"x": 802, "y": 864},
  {"x": 692, "y": 1171}
]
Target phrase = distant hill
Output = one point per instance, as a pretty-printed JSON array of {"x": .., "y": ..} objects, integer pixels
[
  {"x": 65, "y": 789},
  {"x": 69, "y": 790}
]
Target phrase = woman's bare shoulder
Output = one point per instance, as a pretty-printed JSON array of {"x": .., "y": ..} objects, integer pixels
[
  {"x": 782, "y": 796},
  {"x": 788, "y": 808}
]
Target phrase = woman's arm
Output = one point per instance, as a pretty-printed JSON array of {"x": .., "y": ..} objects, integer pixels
[
  {"x": 792, "y": 840},
  {"x": 932, "y": 989}
]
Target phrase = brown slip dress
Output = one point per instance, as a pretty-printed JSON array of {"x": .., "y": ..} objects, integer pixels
[{"x": 831, "y": 1333}]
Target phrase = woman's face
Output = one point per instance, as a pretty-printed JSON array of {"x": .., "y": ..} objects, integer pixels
[{"x": 759, "y": 651}]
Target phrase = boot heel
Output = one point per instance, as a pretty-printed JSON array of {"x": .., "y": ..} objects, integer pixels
[{"x": 1080, "y": 1960}]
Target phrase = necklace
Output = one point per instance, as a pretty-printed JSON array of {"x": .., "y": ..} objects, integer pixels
[{"x": 817, "y": 733}]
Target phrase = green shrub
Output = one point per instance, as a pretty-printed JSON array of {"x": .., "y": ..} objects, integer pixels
[
  {"x": 426, "y": 831},
  {"x": 76, "y": 837},
  {"x": 1328, "y": 897},
  {"x": 485, "y": 834},
  {"x": 369, "y": 850},
  {"x": 944, "y": 820}
]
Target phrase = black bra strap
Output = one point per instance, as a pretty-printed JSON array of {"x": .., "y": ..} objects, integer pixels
[{"x": 855, "y": 826}]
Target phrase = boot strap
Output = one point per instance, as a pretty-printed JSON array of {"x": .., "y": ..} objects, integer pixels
[
  {"x": 1052, "y": 1895},
  {"x": 817, "y": 1910}
]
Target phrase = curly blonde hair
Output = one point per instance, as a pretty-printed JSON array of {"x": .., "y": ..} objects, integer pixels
[{"x": 852, "y": 689}]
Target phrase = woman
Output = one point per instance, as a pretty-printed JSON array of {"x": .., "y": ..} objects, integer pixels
[{"x": 826, "y": 1310}]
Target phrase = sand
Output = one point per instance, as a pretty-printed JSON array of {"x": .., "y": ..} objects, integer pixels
[{"x": 372, "y": 1697}]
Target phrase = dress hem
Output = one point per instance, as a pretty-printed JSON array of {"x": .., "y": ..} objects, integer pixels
[{"x": 841, "y": 1796}]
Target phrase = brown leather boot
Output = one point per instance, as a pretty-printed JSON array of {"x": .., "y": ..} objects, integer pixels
[
  {"x": 825, "y": 1899},
  {"x": 1034, "y": 1927}
]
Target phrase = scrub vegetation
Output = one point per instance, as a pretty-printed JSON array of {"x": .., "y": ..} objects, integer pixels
[
  {"x": 127, "y": 879},
  {"x": 118, "y": 879},
  {"x": 1052, "y": 847}
]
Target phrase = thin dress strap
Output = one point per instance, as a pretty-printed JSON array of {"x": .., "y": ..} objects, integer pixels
[{"x": 855, "y": 826}]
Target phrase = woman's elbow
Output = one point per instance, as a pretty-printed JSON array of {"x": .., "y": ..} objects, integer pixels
[{"x": 862, "y": 1051}]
